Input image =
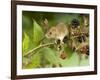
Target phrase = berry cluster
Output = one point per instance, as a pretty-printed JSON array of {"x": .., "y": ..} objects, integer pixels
[
  {"x": 81, "y": 38},
  {"x": 76, "y": 37}
]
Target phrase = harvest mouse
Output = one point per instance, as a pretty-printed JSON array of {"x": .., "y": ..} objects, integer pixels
[{"x": 58, "y": 32}]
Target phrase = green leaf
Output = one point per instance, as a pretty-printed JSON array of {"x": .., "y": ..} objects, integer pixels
[
  {"x": 49, "y": 55},
  {"x": 72, "y": 61},
  {"x": 37, "y": 32},
  {"x": 68, "y": 50},
  {"x": 25, "y": 44},
  {"x": 84, "y": 62}
]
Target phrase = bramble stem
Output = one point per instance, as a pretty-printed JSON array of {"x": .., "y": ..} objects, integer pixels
[{"x": 41, "y": 45}]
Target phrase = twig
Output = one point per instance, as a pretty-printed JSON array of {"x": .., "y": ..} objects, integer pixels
[
  {"x": 75, "y": 36},
  {"x": 41, "y": 45},
  {"x": 80, "y": 46}
]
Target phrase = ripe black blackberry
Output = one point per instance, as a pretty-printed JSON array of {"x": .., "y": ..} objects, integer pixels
[
  {"x": 65, "y": 39},
  {"x": 81, "y": 39},
  {"x": 75, "y": 23}
]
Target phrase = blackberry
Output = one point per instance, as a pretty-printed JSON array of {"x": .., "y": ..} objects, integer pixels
[
  {"x": 75, "y": 23},
  {"x": 81, "y": 39},
  {"x": 58, "y": 41},
  {"x": 65, "y": 39},
  {"x": 87, "y": 50},
  {"x": 63, "y": 55},
  {"x": 73, "y": 48},
  {"x": 59, "y": 47}
]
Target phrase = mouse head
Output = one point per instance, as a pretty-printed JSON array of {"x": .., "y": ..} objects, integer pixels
[{"x": 52, "y": 33}]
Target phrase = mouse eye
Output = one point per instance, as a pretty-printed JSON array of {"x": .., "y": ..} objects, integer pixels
[{"x": 50, "y": 33}]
